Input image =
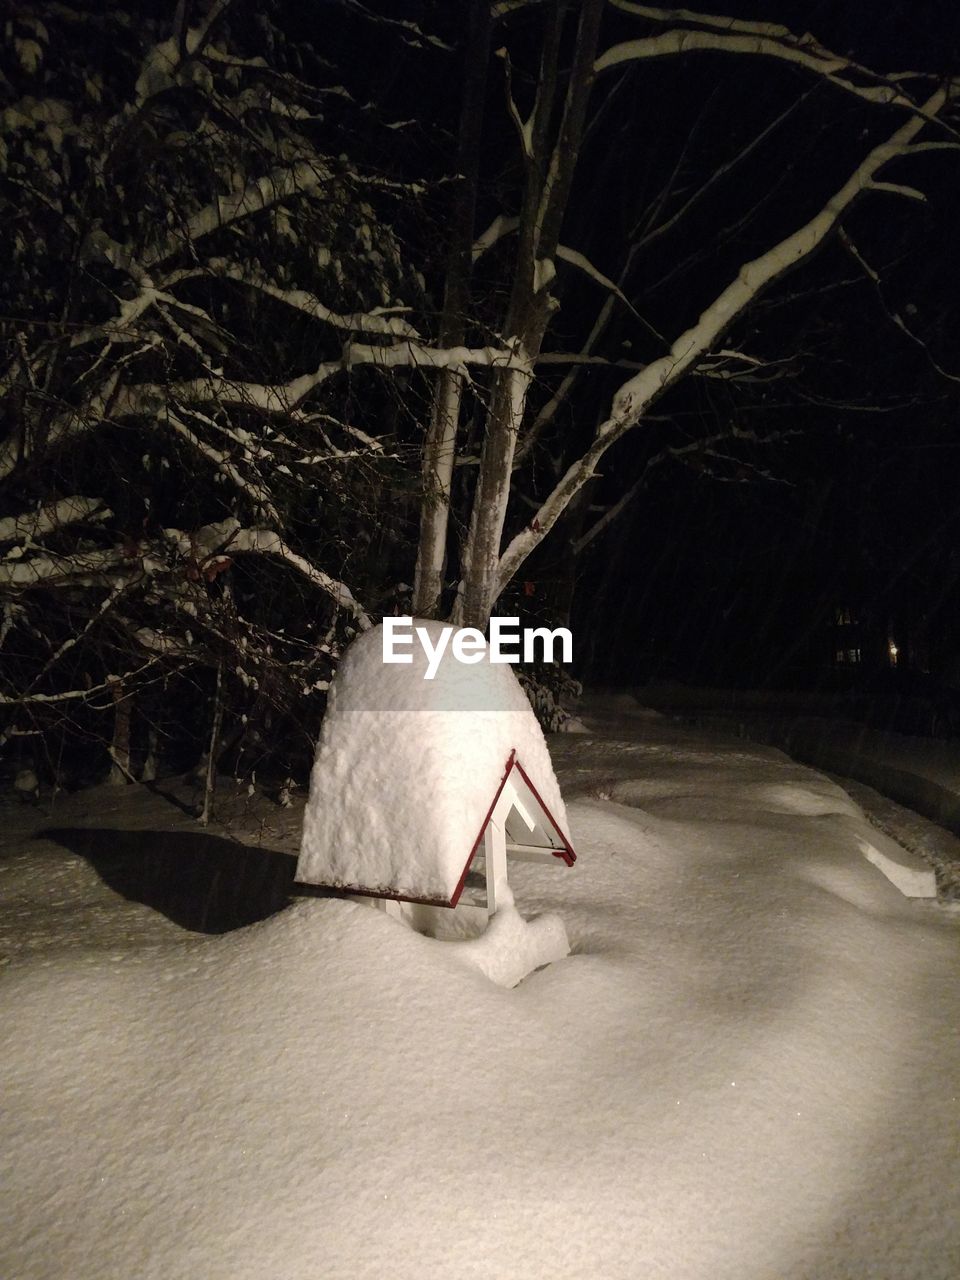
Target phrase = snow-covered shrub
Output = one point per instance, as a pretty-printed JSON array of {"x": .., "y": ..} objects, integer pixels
[{"x": 552, "y": 692}]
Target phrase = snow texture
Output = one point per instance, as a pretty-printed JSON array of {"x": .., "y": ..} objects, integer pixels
[
  {"x": 408, "y": 768},
  {"x": 747, "y": 1069},
  {"x": 921, "y": 773},
  {"x": 510, "y": 948}
]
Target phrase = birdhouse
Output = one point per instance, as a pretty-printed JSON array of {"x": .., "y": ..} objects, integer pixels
[{"x": 423, "y": 790}]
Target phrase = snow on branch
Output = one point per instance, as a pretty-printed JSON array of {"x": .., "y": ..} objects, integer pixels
[
  {"x": 257, "y": 494},
  {"x": 501, "y": 226},
  {"x": 80, "y": 567},
  {"x": 802, "y": 52},
  {"x": 171, "y": 402},
  {"x": 164, "y": 61},
  {"x": 66, "y": 426},
  {"x": 74, "y": 695},
  {"x": 262, "y": 193},
  {"x": 523, "y": 127},
  {"x": 377, "y": 322},
  {"x": 576, "y": 259},
  {"x": 640, "y": 392},
  {"x": 898, "y": 189},
  {"x": 56, "y": 515},
  {"x": 717, "y": 23},
  {"x": 117, "y": 568},
  {"x": 229, "y": 537},
  {"x": 737, "y": 366},
  {"x": 417, "y": 355},
  {"x": 120, "y": 325},
  {"x": 268, "y": 542},
  {"x": 549, "y": 410},
  {"x": 71, "y": 642},
  {"x": 285, "y": 397}
]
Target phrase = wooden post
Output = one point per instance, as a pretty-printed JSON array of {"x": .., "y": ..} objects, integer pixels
[{"x": 495, "y": 858}]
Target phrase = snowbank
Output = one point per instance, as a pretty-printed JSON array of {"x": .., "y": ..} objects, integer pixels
[
  {"x": 407, "y": 769},
  {"x": 921, "y": 773}
]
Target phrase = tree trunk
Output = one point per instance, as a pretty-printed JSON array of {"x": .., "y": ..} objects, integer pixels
[
  {"x": 549, "y": 173},
  {"x": 441, "y": 442},
  {"x": 149, "y": 771},
  {"x": 210, "y": 774},
  {"x": 120, "y": 773},
  {"x": 438, "y": 458},
  {"x": 482, "y": 552}
]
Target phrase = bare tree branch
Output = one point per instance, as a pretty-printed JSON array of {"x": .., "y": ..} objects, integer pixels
[
  {"x": 54, "y": 516},
  {"x": 637, "y": 395},
  {"x": 764, "y": 40}
]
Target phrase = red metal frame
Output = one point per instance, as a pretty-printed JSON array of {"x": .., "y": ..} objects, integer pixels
[{"x": 566, "y": 853}]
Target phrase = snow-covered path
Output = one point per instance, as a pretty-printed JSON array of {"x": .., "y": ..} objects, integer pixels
[{"x": 749, "y": 1069}]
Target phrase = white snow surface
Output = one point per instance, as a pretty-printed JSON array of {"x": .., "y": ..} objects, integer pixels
[
  {"x": 509, "y": 948},
  {"x": 747, "y": 1069},
  {"x": 407, "y": 769}
]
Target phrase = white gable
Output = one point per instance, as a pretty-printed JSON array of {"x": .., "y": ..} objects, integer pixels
[{"x": 407, "y": 769}]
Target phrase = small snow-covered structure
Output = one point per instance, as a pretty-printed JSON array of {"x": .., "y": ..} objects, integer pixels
[{"x": 414, "y": 779}]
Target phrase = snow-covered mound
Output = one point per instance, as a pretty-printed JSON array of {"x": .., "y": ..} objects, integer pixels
[
  {"x": 511, "y": 948},
  {"x": 408, "y": 768}
]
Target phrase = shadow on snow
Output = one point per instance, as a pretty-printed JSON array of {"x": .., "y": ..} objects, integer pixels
[{"x": 201, "y": 882}]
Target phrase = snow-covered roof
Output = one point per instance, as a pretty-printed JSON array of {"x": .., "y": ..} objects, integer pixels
[{"x": 408, "y": 770}]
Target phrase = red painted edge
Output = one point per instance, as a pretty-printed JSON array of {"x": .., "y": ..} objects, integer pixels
[
  {"x": 566, "y": 853},
  {"x": 511, "y": 760},
  {"x": 347, "y": 890}
]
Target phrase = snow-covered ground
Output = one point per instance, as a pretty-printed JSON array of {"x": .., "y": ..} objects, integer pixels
[
  {"x": 876, "y": 765},
  {"x": 748, "y": 1069}
]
